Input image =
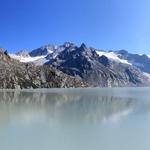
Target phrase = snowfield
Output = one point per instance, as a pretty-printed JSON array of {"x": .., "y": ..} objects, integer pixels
[
  {"x": 26, "y": 59},
  {"x": 113, "y": 56}
]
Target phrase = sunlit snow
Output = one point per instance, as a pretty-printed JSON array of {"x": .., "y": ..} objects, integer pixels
[
  {"x": 113, "y": 56},
  {"x": 26, "y": 59}
]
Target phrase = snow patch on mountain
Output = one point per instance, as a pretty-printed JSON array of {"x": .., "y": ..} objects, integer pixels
[
  {"x": 113, "y": 56},
  {"x": 26, "y": 59},
  {"x": 50, "y": 51},
  {"x": 148, "y": 56}
]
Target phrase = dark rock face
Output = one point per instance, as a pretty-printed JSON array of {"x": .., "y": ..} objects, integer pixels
[
  {"x": 105, "y": 61},
  {"x": 84, "y": 63},
  {"x": 14, "y": 74}
]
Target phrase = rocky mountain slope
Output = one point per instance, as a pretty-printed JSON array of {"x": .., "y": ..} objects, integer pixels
[
  {"x": 97, "y": 67},
  {"x": 14, "y": 74}
]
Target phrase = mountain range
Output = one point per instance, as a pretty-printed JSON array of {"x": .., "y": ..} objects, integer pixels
[
  {"x": 17, "y": 75},
  {"x": 87, "y": 65}
]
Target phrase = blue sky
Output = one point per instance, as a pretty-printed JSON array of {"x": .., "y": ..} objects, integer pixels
[{"x": 105, "y": 24}]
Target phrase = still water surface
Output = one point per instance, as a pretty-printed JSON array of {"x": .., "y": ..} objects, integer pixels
[{"x": 75, "y": 119}]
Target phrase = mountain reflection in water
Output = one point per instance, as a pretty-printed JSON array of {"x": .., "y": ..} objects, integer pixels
[{"x": 65, "y": 107}]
